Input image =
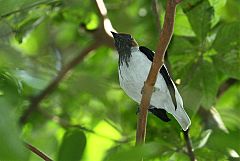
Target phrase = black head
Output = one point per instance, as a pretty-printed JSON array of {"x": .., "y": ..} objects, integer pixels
[{"x": 124, "y": 43}]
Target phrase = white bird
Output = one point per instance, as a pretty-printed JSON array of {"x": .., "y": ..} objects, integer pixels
[{"x": 133, "y": 68}]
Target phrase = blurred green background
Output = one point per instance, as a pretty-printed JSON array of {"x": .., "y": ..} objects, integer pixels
[{"x": 57, "y": 60}]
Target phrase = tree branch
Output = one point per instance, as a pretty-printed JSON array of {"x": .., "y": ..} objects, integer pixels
[
  {"x": 189, "y": 145},
  {"x": 225, "y": 86},
  {"x": 66, "y": 124},
  {"x": 165, "y": 37},
  {"x": 38, "y": 152}
]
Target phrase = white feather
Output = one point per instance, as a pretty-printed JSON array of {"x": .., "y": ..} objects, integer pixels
[{"x": 132, "y": 79}]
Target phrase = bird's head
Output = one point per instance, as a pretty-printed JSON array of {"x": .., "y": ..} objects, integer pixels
[{"x": 124, "y": 42}]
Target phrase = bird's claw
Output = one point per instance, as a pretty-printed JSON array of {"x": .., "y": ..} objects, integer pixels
[
  {"x": 138, "y": 110},
  {"x": 142, "y": 90}
]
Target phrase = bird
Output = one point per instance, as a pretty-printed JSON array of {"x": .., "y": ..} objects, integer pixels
[{"x": 133, "y": 67}]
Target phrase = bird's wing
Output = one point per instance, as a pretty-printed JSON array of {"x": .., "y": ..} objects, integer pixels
[
  {"x": 150, "y": 54},
  {"x": 160, "y": 113}
]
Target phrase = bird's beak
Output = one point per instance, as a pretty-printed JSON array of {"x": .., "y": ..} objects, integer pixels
[{"x": 114, "y": 34}]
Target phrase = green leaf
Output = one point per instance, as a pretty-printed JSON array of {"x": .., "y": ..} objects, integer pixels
[
  {"x": 199, "y": 13},
  {"x": 73, "y": 145},
  {"x": 182, "y": 53},
  {"x": 10, "y": 6},
  {"x": 227, "y": 44},
  {"x": 11, "y": 146},
  {"x": 228, "y": 64},
  {"x": 205, "y": 79},
  {"x": 203, "y": 139},
  {"x": 231, "y": 11},
  {"x": 228, "y": 38}
]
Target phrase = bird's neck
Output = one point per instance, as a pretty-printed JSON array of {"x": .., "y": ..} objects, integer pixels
[{"x": 125, "y": 55}]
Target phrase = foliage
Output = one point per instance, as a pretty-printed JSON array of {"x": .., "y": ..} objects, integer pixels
[{"x": 87, "y": 116}]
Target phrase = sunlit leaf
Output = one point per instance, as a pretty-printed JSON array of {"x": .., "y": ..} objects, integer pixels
[{"x": 73, "y": 145}]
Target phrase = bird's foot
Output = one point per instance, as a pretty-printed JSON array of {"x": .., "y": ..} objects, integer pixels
[
  {"x": 138, "y": 110},
  {"x": 142, "y": 90}
]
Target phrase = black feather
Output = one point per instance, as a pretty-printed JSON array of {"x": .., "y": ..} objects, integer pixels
[
  {"x": 150, "y": 54},
  {"x": 160, "y": 113}
]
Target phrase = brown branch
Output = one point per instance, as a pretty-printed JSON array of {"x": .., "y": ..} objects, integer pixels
[
  {"x": 38, "y": 152},
  {"x": 225, "y": 86},
  {"x": 189, "y": 145},
  {"x": 165, "y": 37},
  {"x": 35, "y": 101}
]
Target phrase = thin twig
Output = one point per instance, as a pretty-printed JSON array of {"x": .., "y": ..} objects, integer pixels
[
  {"x": 165, "y": 37},
  {"x": 38, "y": 152},
  {"x": 56, "y": 2},
  {"x": 66, "y": 124},
  {"x": 189, "y": 145}
]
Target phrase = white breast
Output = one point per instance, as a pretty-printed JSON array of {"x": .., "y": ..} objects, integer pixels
[{"x": 132, "y": 77}]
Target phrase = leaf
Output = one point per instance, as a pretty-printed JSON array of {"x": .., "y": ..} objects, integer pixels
[
  {"x": 227, "y": 44},
  {"x": 199, "y": 13},
  {"x": 227, "y": 38},
  {"x": 11, "y": 5},
  {"x": 223, "y": 141},
  {"x": 73, "y": 145},
  {"x": 11, "y": 146},
  {"x": 182, "y": 53},
  {"x": 205, "y": 79},
  {"x": 231, "y": 11},
  {"x": 203, "y": 139}
]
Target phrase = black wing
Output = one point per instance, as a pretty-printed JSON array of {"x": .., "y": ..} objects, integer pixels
[
  {"x": 164, "y": 72},
  {"x": 160, "y": 113}
]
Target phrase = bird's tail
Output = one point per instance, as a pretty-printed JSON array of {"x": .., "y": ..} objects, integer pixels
[{"x": 182, "y": 118}]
